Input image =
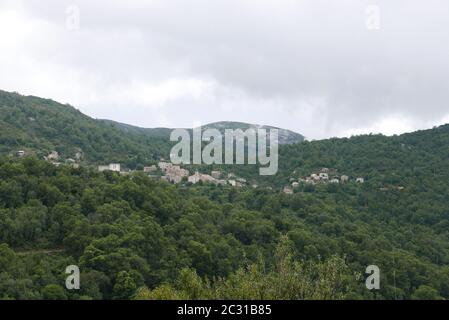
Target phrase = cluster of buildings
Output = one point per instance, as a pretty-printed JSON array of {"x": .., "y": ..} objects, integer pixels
[
  {"x": 176, "y": 174},
  {"x": 54, "y": 158},
  {"x": 324, "y": 176},
  {"x": 197, "y": 177},
  {"x": 172, "y": 173}
]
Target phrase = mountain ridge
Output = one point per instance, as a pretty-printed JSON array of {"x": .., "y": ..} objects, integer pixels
[
  {"x": 43, "y": 125},
  {"x": 285, "y": 136}
]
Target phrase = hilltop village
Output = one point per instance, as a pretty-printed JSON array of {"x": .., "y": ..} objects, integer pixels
[
  {"x": 163, "y": 170},
  {"x": 323, "y": 176},
  {"x": 176, "y": 174}
]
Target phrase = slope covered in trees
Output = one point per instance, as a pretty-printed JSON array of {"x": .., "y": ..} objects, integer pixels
[
  {"x": 39, "y": 126},
  {"x": 42, "y": 125},
  {"x": 134, "y": 237},
  {"x": 419, "y": 159}
]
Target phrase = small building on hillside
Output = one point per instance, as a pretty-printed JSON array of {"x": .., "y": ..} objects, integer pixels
[
  {"x": 20, "y": 153},
  {"x": 114, "y": 167},
  {"x": 78, "y": 155},
  {"x": 360, "y": 180},
  {"x": 149, "y": 169},
  {"x": 287, "y": 190},
  {"x": 195, "y": 178},
  {"x": 175, "y": 174},
  {"x": 54, "y": 155},
  {"x": 309, "y": 180},
  {"x": 207, "y": 178},
  {"x": 164, "y": 165},
  {"x": 241, "y": 180},
  {"x": 110, "y": 167},
  {"x": 216, "y": 174},
  {"x": 323, "y": 176},
  {"x": 344, "y": 178}
]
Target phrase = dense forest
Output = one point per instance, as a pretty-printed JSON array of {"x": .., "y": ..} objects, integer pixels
[{"x": 136, "y": 237}]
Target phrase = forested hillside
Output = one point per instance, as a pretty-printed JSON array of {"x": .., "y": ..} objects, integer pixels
[
  {"x": 41, "y": 125},
  {"x": 418, "y": 159},
  {"x": 134, "y": 237}
]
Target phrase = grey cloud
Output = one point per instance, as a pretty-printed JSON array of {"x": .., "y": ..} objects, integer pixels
[{"x": 310, "y": 66}]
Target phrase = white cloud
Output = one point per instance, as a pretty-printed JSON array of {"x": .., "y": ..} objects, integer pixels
[{"x": 389, "y": 126}]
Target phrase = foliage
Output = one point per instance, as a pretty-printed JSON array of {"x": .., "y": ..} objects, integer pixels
[{"x": 135, "y": 237}]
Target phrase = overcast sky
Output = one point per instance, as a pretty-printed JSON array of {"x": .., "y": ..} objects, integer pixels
[{"x": 321, "y": 68}]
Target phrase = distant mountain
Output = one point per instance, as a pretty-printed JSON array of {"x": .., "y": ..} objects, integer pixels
[
  {"x": 285, "y": 136},
  {"x": 39, "y": 126}
]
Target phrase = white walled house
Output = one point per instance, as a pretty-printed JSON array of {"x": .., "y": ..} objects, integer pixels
[
  {"x": 195, "y": 178},
  {"x": 54, "y": 155},
  {"x": 111, "y": 167},
  {"x": 114, "y": 167},
  {"x": 287, "y": 190},
  {"x": 164, "y": 165},
  {"x": 324, "y": 176}
]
